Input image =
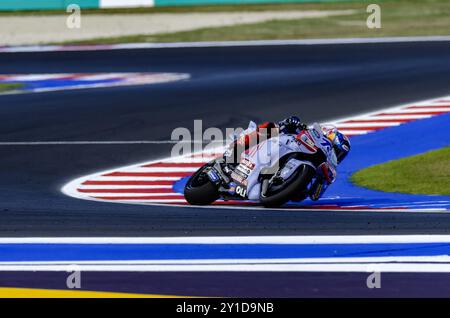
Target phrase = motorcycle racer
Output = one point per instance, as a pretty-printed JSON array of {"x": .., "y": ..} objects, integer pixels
[{"x": 293, "y": 125}]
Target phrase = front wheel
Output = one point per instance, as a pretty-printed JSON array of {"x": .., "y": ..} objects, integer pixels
[
  {"x": 199, "y": 190},
  {"x": 278, "y": 195}
]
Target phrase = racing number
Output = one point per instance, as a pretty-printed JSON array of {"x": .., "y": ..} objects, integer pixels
[{"x": 241, "y": 191}]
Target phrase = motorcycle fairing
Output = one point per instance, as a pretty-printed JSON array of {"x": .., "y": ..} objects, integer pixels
[{"x": 268, "y": 152}]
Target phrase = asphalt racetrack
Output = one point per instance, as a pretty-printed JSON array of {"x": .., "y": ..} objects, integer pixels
[{"x": 228, "y": 87}]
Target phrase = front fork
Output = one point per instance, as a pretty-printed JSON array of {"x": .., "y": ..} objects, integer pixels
[
  {"x": 318, "y": 187},
  {"x": 326, "y": 175}
]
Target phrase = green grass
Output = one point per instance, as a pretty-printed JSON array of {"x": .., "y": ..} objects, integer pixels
[
  {"x": 399, "y": 18},
  {"x": 428, "y": 173},
  {"x": 9, "y": 87}
]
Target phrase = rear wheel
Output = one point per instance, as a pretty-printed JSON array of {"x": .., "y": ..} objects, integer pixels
[
  {"x": 199, "y": 190},
  {"x": 277, "y": 195}
]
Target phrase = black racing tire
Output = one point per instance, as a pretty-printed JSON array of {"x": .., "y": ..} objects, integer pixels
[
  {"x": 295, "y": 184},
  {"x": 199, "y": 190}
]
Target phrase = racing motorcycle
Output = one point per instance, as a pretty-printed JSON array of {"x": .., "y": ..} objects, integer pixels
[{"x": 272, "y": 172}]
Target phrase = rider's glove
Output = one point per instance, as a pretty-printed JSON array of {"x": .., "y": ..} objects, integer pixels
[
  {"x": 291, "y": 124},
  {"x": 293, "y": 121}
]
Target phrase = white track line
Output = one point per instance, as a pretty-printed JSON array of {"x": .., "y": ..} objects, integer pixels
[
  {"x": 131, "y": 196},
  {"x": 278, "y": 239},
  {"x": 134, "y": 46},
  {"x": 113, "y": 142},
  {"x": 329, "y": 260},
  {"x": 114, "y": 187},
  {"x": 427, "y": 111},
  {"x": 105, "y": 178},
  {"x": 350, "y": 267},
  {"x": 354, "y": 132},
  {"x": 160, "y": 169},
  {"x": 355, "y": 125}
]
